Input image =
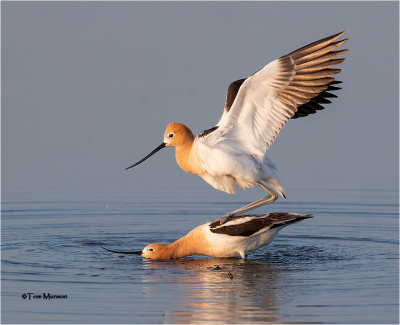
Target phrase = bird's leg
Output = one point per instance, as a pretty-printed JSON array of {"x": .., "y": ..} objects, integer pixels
[{"x": 271, "y": 197}]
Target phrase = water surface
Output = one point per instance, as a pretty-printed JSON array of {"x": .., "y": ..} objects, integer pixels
[{"x": 339, "y": 267}]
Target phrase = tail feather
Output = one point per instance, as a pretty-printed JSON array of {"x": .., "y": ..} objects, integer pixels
[{"x": 285, "y": 219}]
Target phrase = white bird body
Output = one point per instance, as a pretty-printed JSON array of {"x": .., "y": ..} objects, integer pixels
[
  {"x": 238, "y": 237},
  {"x": 226, "y": 166},
  {"x": 223, "y": 245}
]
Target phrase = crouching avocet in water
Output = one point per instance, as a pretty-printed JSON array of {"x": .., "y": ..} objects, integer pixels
[
  {"x": 239, "y": 236},
  {"x": 233, "y": 153}
]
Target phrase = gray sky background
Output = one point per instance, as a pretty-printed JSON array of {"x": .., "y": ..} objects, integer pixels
[{"x": 88, "y": 88}]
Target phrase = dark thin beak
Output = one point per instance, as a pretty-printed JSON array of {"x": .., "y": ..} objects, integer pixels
[
  {"x": 123, "y": 252},
  {"x": 162, "y": 145}
]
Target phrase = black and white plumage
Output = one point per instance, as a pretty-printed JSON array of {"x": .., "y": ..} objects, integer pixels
[
  {"x": 238, "y": 237},
  {"x": 242, "y": 235}
]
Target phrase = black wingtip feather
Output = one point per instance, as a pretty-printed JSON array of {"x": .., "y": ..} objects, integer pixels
[
  {"x": 328, "y": 95},
  {"x": 314, "y": 104},
  {"x": 297, "y": 219}
]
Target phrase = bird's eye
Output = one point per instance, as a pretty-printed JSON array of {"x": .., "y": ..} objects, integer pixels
[
  {"x": 150, "y": 249},
  {"x": 171, "y": 135}
]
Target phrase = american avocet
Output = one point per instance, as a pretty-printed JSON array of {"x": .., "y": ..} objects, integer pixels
[
  {"x": 233, "y": 153},
  {"x": 239, "y": 236}
]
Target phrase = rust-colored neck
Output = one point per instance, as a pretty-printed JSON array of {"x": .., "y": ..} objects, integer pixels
[
  {"x": 186, "y": 157},
  {"x": 191, "y": 244}
]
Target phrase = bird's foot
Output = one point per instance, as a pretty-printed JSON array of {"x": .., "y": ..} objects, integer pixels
[
  {"x": 227, "y": 218},
  {"x": 221, "y": 220}
]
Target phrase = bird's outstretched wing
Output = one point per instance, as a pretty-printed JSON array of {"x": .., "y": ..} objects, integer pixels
[{"x": 292, "y": 86}]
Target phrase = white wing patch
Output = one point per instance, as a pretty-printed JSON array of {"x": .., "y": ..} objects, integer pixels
[{"x": 257, "y": 115}]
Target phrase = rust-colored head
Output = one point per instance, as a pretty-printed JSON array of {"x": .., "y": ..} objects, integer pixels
[
  {"x": 157, "y": 252},
  {"x": 177, "y": 134}
]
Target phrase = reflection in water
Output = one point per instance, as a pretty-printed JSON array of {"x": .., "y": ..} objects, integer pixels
[{"x": 219, "y": 290}]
